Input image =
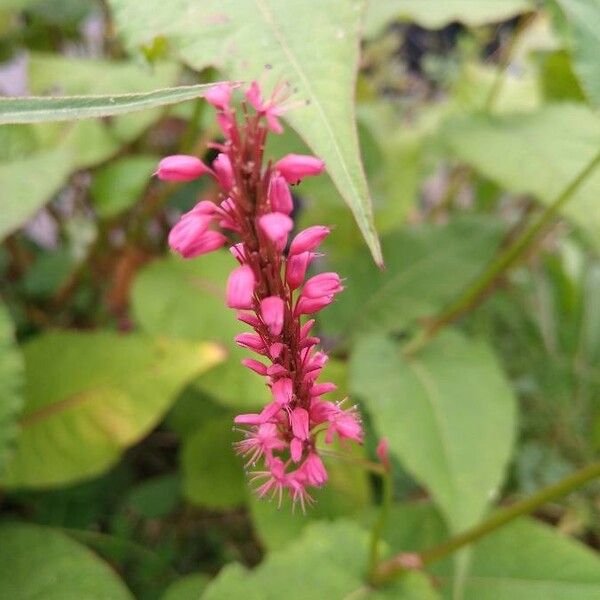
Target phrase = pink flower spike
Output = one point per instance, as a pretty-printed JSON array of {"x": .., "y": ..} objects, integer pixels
[
  {"x": 299, "y": 423},
  {"x": 272, "y": 310},
  {"x": 260, "y": 442},
  {"x": 280, "y": 196},
  {"x": 323, "y": 284},
  {"x": 181, "y": 167},
  {"x": 282, "y": 391},
  {"x": 222, "y": 167},
  {"x": 294, "y": 167},
  {"x": 219, "y": 95},
  {"x": 314, "y": 470},
  {"x": 255, "y": 365},
  {"x": 309, "y": 239},
  {"x": 296, "y": 267},
  {"x": 276, "y": 227},
  {"x": 296, "y": 446},
  {"x": 309, "y": 306},
  {"x": 240, "y": 287}
]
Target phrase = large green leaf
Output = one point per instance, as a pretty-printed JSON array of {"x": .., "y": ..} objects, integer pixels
[
  {"x": 37, "y": 109},
  {"x": 213, "y": 475},
  {"x": 448, "y": 413},
  {"x": 89, "y": 396},
  {"x": 538, "y": 153},
  {"x": 328, "y": 561},
  {"x": 436, "y": 14},
  {"x": 584, "y": 16},
  {"x": 426, "y": 266},
  {"x": 11, "y": 384},
  {"x": 529, "y": 561},
  {"x": 305, "y": 42},
  {"x": 524, "y": 560},
  {"x": 38, "y": 562},
  {"x": 186, "y": 299}
]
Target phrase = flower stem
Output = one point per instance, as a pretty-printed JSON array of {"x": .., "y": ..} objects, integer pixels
[
  {"x": 380, "y": 524},
  {"x": 501, "y": 263},
  {"x": 395, "y": 566}
]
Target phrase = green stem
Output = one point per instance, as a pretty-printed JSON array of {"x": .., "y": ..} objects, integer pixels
[
  {"x": 394, "y": 567},
  {"x": 501, "y": 263},
  {"x": 380, "y": 524}
]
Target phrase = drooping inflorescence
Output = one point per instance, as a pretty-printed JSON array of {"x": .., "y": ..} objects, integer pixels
[{"x": 270, "y": 291}]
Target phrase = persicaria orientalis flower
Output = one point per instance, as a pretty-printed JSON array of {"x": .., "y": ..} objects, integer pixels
[{"x": 270, "y": 290}]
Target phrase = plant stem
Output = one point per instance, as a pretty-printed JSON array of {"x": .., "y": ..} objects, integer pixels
[
  {"x": 501, "y": 263},
  {"x": 380, "y": 524},
  {"x": 394, "y": 567}
]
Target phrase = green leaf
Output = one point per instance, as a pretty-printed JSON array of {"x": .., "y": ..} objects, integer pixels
[
  {"x": 186, "y": 299},
  {"x": 38, "y": 109},
  {"x": 213, "y": 474},
  {"x": 584, "y": 17},
  {"x": 89, "y": 396},
  {"x": 118, "y": 185},
  {"x": 527, "y": 560},
  {"x": 302, "y": 41},
  {"x": 435, "y": 14},
  {"x": 23, "y": 193},
  {"x": 11, "y": 386},
  {"x": 330, "y": 559},
  {"x": 554, "y": 145},
  {"x": 426, "y": 266},
  {"x": 187, "y": 588},
  {"x": 37, "y": 562},
  {"x": 448, "y": 413}
]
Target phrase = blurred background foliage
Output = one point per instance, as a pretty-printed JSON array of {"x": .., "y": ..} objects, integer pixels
[{"x": 118, "y": 376}]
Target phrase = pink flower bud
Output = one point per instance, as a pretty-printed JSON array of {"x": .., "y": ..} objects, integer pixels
[
  {"x": 296, "y": 446},
  {"x": 252, "y": 341},
  {"x": 272, "y": 310},
  {"x": 181, "y": 167},
  {"x": 282, "y": 391},
  {"x": 309, "y": 239},
  {"x": 322, "y": 388},
  {"x": 277, "y": 370},
  {"x": 222, "y": 167},
  {"x": 299, "y": 423},
  {"x": 219, "y": 95},
  {"x": 276, "y": 227},
  {"x": 249, "y": 318},
  {"x": 323, "y": 284},
  {"x": 205, "y": 207},
  {"x": 240, "y": 287},
  {"x": 308, "y": 306},
  {"x": 383, "y": 452},
  {"x": 280, "y": 195},
  {"x": 305, "y": 329},
  {"x": 190, "y": 237},
  {"x": 255, "y": 365},
  {"x": 296, "y": 268},
  {"x": 239, "y": 252},
  {"x": 294, "y": 167},
  {"x": 254, "y": 97},
  {"x": 314, "y": 470},
  {"x": 275, "y": 350}
]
